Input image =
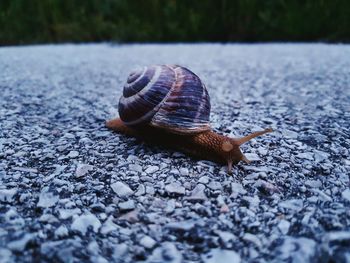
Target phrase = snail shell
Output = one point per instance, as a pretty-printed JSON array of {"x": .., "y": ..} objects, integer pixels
[{"x": 170, "y": 97}]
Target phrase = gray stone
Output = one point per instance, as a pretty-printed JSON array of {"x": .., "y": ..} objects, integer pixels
[
  {"x": 170, "y": 206},
  {"x": 131, "y": 216},
  {"x": 217, "y": 255},
  {"x": 321, "y": 195},
  {"x": 297, "y": 250},
  {"x": 292, "y": 204},
  {"x": 147, "y": 242},
  {"x": 108, "y": 226},
  {"x": 150, "y": 190},
  {"x": 175, "y": 188},
  {"x": 127, "y": 205},
  {"x": 141, "y": 190},
  {"x": 266, "y": 188},
  {"x": 48, "y": 218},
  {"x": 121, "y": 189},
  {"x": 346, "y": 194},
  {"x": 6, "y": 195},
  {"x": 220, "y": 200},
  {"x": 13, "y": 218},
  {"x": 47, "y": 198},
  {"x": 313, "y": 183},
  {"x": 6, "y": 255},
  {"x": 67, "y": 213},
  {"x": 198, "y": 193},
  {"x": 203, "y": 180},
  {"x": 181, "y": 225},
  {"x": 62, "y": 231},
  {"x": 320, "y": 156},
  {"x": 237, "y": 189},
  {"x": 151, "y": 169},
  {"x": 338, "y": 236},
  {"x": 83, "y": 169},
  {"x": 73, "y": 154},
  {"x": 290, "y": 134},
  {"x": 120, "y": 251},
  {"x": 283, "y": 226},
  {"x": 83, "y": 222},
  {"x": 252, "y": 239},
  {"x": 226, "y": 237},
  {"x": 184, "y": 171},
  {"x": 308, "y": 156},
  {"x": 62, "y": 249},
  {"x": 252, "y": 157},
  {"x": 166, "y": 253},
  {"x": 215, "y": 186},
  {"x": 98, "y": 259},
  {"x": 135, "y": 167},
  {"x": 20, "y": 244},
  {"x": 253, "y": 201}
]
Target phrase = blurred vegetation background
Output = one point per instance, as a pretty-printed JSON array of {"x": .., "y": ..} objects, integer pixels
[{"x": 54, "y": 21}]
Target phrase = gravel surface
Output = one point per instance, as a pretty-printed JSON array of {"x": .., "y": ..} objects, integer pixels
[{"x": 72, "y": 191}]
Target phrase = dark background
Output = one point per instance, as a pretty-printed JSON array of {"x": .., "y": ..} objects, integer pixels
[{"x": 55, "y": 21}]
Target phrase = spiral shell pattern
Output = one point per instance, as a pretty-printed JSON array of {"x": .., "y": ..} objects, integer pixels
[{"x": 166, "y": 96}]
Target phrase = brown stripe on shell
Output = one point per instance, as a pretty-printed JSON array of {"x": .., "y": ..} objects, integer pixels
[
  {"x": 205, "y": 105},
  {"x": 137, "y": 85},
  {"x": 135, "y": 75},
  {"x": 140, "y": 107},
  {"x": 181, "y": 112}
]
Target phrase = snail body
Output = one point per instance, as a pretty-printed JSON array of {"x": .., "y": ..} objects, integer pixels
[{"x": 169, "y": 105}]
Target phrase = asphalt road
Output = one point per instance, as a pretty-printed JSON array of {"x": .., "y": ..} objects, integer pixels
[{"x": 72, "y": 191}]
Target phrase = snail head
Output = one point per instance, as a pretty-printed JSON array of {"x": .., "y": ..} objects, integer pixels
[{"x": 233, "y": 153}]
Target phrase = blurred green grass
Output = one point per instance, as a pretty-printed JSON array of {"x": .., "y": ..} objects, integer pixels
[{"x": 55, "y": 21}]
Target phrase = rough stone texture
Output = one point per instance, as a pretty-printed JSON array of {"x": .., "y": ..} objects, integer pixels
[{"x": 73, "y": 191}]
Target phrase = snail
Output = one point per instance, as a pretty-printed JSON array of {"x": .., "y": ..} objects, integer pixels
[{"x": 169, "y": 105}]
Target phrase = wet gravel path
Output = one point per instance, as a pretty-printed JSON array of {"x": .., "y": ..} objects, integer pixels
[{"x": 72, "y": 191}]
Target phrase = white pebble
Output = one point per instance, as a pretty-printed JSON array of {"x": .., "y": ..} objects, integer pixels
[
  {"x": 62, "y": 231},
  {"x": 82, "y": 223},
  {"x": 47, "y": 199},
  {"x": 184, "y": 171},
  {"x": 175, "y": 188},
  {"x": 346, "y": 194},
  {"x": 6, "y": 195},
  {"x": 135, "y": 167},
  {"x": 73, "y": 154},
  {"x": 121, "y": 189},
  {"x": 83, "y": 169},
  {"x": 147, "y": 242},
  {"x": 152, "y": 169},
  {"x": 283, "y": 226}
]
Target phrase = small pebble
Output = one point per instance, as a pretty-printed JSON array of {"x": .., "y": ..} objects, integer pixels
[
  {"x": 73, "y": 154},
  {"x": 147, "y": 242},
  {"x": 175, "y": 188},
  {"x": 151, "y": 169},
  {"x": 83, "y": 222},
  {"x": 135, "y": 167},
  {"x": 127, "y": 205},
  {"x": 121, "y": 189},
  {"x": 346, "y": 195},
  {"x": 83, "y": 169},
  {"x": 184, "y": 171}
]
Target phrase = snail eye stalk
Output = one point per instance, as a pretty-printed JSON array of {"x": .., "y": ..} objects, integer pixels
[{"x": 247, "y": 138}]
